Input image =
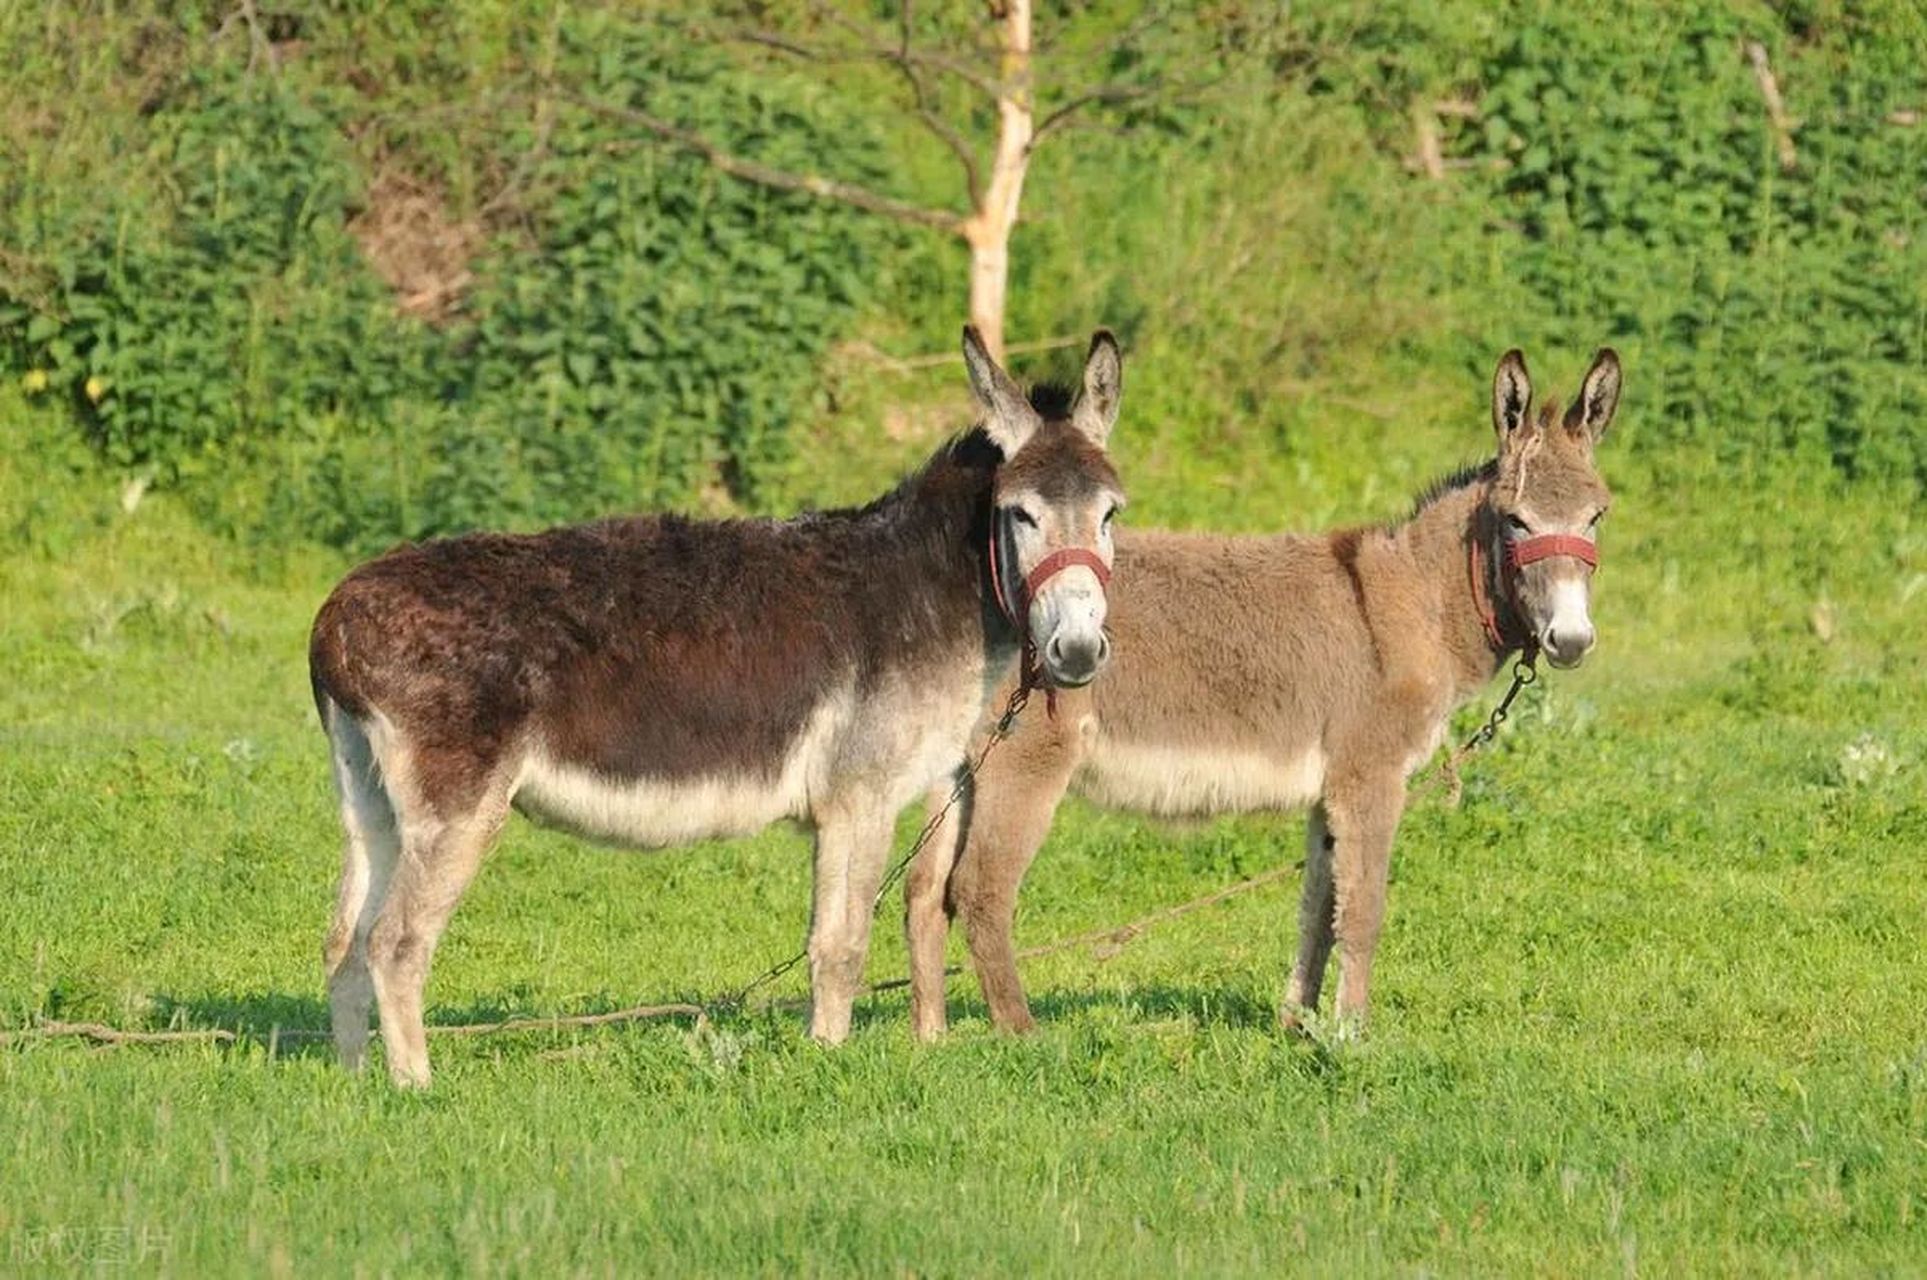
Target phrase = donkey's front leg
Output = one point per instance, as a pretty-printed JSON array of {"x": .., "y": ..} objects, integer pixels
[
  {"x": 1363, "y": 813},
  {"x": 1314, "y": 924},
  {"x": 926, "y": 911},
  {"x": 852, "y": 843}
]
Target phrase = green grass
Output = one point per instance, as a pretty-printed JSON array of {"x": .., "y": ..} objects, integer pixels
[{"x": 1650, "y": 1000}]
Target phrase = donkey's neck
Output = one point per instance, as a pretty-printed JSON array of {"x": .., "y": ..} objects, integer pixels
[
  {"x": 1442, "y": 534},
  {"x": 922, "y": 552}
]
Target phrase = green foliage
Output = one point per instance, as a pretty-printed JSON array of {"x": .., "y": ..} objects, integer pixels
[
  {"x": 251, "y": 313},
  {"x": 643, "y": 335},
  {"x": 1777, "y": 310},
  {"x": 643, "y": 331},
  {"x": 679, "y": 317}
]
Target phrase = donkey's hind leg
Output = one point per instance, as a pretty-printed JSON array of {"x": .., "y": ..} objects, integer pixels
[
  {"x": 1315, "y": 908},
  {"x": 370, "y": 846},
  {"x": 443, "y": 844}
]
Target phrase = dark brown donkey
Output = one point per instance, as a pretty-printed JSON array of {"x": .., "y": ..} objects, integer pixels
[
  {"x": 1278, "y": 672},
  {"x": 652, "y": 680}
]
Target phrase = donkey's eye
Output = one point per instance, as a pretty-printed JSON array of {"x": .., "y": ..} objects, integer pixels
[
  {"x": 1597, "y": 516},
  {"x": 1023, "y": 517},
  {"x": 1109, "y": 515},
  {"x": 1517, "y": 525}
]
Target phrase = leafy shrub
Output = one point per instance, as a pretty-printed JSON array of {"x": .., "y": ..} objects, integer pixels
[
  {"x": 1777, "y": 310},
  {"x": 251, "y": 312},
  {"x": 665, "y": 322},
  {"x": 639, "y": 337}
]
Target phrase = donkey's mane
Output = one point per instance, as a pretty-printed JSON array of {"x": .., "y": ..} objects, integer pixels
[
  {"x": 1453, "y": 481},
  {"x": 1052, "y": 399},
  {"x": 969, "y": 450}
]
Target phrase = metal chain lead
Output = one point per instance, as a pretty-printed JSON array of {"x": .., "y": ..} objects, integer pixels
[
  {"x": 1524, "y": 672},
  {"x": 998, "y": 733}
]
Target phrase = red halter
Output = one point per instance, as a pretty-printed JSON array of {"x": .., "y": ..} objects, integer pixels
[
  {"x": 1517, "y": 556},
  {"x": 1546, "y": 545},
  {"x": 1047, "y": 568}
]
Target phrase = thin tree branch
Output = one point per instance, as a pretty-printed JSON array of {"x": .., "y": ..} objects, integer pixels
[
  {"x": 902, "y": 54},
  {"x": 1109, "y": 93},
  {"x": 783, "y": 44},
  {"x": 778, "y": 179},
  {"x": 100, "y": 1033},
  {"x": 639, "y": 1013},
  {"x": 1776, "y": 114},
  {"x": 1172, "y": 88},
  {"x": 936, "y": 124},
  {"x": 259, "y": 46}
]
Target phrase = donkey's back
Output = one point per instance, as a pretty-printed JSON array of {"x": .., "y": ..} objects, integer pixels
[{"x": 621, "y": 648}]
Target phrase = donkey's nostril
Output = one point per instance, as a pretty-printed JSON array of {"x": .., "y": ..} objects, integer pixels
[
  {"x": 1076, "y": 662},
  {"x": 1567, "y": 645}
]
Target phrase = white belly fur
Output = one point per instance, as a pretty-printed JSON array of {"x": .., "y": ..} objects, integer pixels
[
  {"x": 1175, "y": 781},
  {"x": 654, "y": 812}
]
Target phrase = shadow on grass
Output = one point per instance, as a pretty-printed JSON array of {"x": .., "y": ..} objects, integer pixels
[
  {"x": 296, "y": 1026},
  {"x": 1220, "y": 1006}
]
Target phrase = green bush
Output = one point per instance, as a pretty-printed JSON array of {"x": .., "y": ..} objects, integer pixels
[
  {"x": 252, "y": 311},
  {"x": 1777, "y": 310},
  {"x": 642, "y": 335},
  {"x": 665, "y": 323},
  {"x": 644, "y": 331}
]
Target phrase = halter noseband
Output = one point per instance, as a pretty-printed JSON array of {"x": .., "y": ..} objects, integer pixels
[
  {"x": 1546, "y": 545},
  {"x": 1518, "y": 555},
  {"x": 1047, "y": 568}
]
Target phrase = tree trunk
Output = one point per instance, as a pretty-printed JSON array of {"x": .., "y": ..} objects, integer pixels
[{"x": 987, "y": 230}]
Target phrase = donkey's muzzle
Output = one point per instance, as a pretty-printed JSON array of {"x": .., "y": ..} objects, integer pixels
[
  {"x": 1566, "y": 645},
  {"x": 1075, "y": 662}
]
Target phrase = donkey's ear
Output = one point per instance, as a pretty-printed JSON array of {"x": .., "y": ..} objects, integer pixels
[
  {"x": 1511, "y": 396},
  {"x": 1592, "y": 412},
  {"x": 1096, "y": 411},
  {"x": 1008, "y": 418}
]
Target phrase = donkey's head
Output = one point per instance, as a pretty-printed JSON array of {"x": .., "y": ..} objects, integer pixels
[
  {"x": 1547, "y": 501},
  {"x": 1054, "y": 498}
]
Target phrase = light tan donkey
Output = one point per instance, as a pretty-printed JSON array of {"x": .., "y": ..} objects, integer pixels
[{"x": 1275, "y": 672}]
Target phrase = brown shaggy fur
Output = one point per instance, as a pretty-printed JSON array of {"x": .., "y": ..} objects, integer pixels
[{"x": 653, "y": 679}]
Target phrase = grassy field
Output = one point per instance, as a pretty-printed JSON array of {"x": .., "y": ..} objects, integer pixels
[{"x": 1649, "y": 1000}]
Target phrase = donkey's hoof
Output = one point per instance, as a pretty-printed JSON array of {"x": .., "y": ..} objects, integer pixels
[{"x": 408, "y": 1076}]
